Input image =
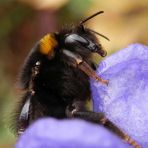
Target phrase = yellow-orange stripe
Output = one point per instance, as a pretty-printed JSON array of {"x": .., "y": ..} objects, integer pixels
[{"x": 47, "y": 44}]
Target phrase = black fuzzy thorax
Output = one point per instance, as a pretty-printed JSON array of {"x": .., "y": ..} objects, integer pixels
[{"x": 57, "y": 85}]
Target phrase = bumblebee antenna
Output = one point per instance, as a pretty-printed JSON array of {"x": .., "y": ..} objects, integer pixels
[
  {"x": 100, "y": 34},
  {"x": 90, "y": 17}
]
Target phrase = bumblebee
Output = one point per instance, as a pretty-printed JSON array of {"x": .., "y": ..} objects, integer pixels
[{"x": 55, "y": 78}]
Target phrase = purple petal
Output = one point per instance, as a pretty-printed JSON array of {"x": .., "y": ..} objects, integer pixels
[
  {"x": 125, "y": 99},
  {"x": 52, "y": 133}
]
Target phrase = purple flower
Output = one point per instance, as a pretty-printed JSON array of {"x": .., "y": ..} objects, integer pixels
[
  {"x": 125, "y": 99},
  {"x": 52, "y": 133}
]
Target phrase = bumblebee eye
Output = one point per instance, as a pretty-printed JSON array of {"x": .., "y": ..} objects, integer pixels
[{"x": 75, "y": 39}]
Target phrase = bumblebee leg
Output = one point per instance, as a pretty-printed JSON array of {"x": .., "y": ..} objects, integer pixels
[
  {"x": 101, "y": 119},
  {"x": 78, "y": 110}
]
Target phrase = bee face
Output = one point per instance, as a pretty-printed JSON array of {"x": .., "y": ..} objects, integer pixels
[
  {"x": 82, "y": 40},
  {"x": 80, "y": 44}
]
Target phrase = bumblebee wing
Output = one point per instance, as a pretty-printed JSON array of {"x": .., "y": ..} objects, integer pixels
[
  {"x": 23, "y": 119},
  {"x": 19, "y": 119},
  {"x": 27, "y": 109}
]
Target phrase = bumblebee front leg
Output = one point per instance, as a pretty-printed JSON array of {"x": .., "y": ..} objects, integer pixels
[{"x": 100, "y": 118}]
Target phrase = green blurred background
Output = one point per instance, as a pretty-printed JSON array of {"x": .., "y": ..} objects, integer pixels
[{"x": 23, "y": 22}]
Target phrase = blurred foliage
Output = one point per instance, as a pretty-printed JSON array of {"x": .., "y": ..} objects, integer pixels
[
  {"x": 72, "y": 13},
  {"x": 22, "y": 23},
  {"x": 123, "y": 22},
  {"x": 12, "y": 18}
]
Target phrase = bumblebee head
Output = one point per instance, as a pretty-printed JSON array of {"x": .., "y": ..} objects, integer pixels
[
  {"x": 76, "y": 45},
  {"x": 84, "y": 38},
  {"x": 82, "y": 41}
]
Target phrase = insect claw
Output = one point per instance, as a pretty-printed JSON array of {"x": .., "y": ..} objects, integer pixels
[
  {"x": 102, "y": 80},
  {"x": 131, "y": 142}
]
